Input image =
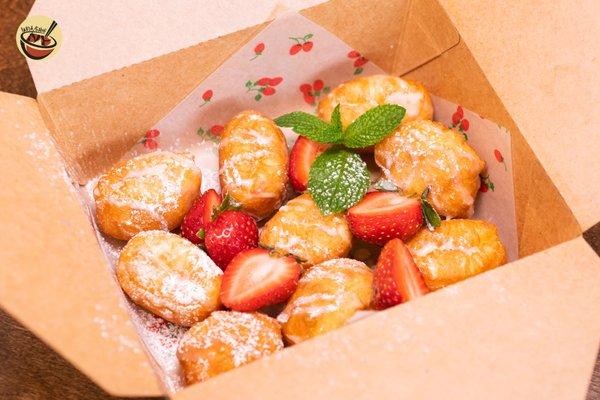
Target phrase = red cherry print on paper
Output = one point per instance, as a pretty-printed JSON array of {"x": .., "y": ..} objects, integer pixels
[
  {"x": 310, "y": 99},
  {"x": 353, "y": 54},
  {"x": 459, "y": 112},
  {"x": 151, "y": 144},
  {"x": 258, "y": 50},
  {"x": 263, "y": 81},
  {"x": 484, "y": 187},
  {"x": 464, "y": 125},
  {"x": 456, "y": 118},
  {"x": 360, "y": 62},
  {"x": 216, "y": 130},
  {"x": 301, "y": 43},
  {"x": 269, "y": 91},
  {"x": 206, "y": 96},
  {"x": 152, "y": 133},
  {"x": 295, "y": 49},
  {"x": 498, "y": 155},
  {"x": 318, "y": 85},
  {"x": 305, "y": 88},
  {"x": 274, "y": 81}
]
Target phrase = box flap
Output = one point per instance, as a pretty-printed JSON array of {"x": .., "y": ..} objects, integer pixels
[
  {"x": 450, "y": 344},
  {"x": 546, "y": 74},
  {"x": 115, "y": 43},
  {"x": 53, "y": 277},
  {"x": 128, "y": 33},
  {"x": 120, "y": 116}
]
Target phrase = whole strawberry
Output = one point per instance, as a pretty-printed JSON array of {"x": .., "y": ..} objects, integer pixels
[
  {"x": 230, "y": 233},
  {"x": 199, "y": 216}
]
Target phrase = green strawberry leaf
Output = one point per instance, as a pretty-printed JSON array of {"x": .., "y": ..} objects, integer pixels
[
  {"x": 201, "y": 233},
  {"x": 431, "y": 217},
  {"x": 338, "y": 179},
  {"x": 373, "y": 126},
  {"x": 308, "y": 125}
]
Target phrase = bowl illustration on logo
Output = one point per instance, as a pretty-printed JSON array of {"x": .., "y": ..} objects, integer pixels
[{"x": 38, "y": 46}]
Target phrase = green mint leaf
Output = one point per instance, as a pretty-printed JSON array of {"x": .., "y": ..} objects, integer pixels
[
  {"x": 374, "y": 125},
  {"x": 308, "y": 125},
  {"x": 336, "y": 119},
  {"x": 338, "y": 179}
]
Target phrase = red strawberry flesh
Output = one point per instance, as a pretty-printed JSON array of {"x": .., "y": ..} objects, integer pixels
[
  {"x": 382, "y": 216},
  {"x": 396, "y": 278},
  {"x": 302, "y": 156},
  {"x": 199, "y": 215},
  {"x": 255, "y": 279}
]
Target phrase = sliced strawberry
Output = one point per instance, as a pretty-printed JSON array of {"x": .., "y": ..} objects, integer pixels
[
  {"x": 257, "y": 278},
  {"x": 396, "y": 278},
  {"x": 199, "y": 216},
  {"x": 382, "y": 216},
  {"x": 302, "y": 156},
  {"x": 229, "y": 234}
]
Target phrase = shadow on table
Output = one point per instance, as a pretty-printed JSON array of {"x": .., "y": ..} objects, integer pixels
[{"x": 33, "y": 371}]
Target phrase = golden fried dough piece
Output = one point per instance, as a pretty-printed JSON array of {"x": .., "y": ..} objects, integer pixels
[
  {"x": 457, "y": 250},
  {"x": 253, "y": 158},
  {"x": 423, "y": 154},
  {"x": 226, "y": 340},
  {"x": 328, "y": 295},
  {"x": 359, "y": 95},
  {"x": 151, "y": 191},
  {"x": 169, "y": 276},
  {"x": 301, "y": 230}
]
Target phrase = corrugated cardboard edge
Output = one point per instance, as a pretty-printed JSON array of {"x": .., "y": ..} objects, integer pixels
[
  {"x": 546, "y": 73},
  {"x": 473, "y": 340},
  {"x": 70, "y": 301}
]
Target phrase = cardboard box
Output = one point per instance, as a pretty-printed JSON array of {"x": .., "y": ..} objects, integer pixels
[{"x": 507, "y": 333}]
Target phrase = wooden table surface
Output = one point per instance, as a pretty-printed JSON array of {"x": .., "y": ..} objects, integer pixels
[{"x": 29, "y": 370}]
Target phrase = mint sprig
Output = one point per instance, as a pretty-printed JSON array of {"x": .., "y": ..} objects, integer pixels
[
  {"x": 373, "y": 126},
  {"x": 308, "y": 125},
  {"x": 338, "y": 179}
]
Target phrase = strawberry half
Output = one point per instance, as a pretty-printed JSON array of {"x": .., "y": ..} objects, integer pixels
[
  {"x": 382, "y": 216},
  {"x": 230, "y": 233},
  {"x": 257, "y": 278},
  {"x": 302, "y": 156},
  {"x": 396, "y": 277},
  {"x": 199, "y": 216}
]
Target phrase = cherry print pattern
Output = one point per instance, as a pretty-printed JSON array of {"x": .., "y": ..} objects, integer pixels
[
  {"x": 211, "y": 133},
  {"x": 359, "y": 61},
  {"x": 264, "y": 86},
  {"x": 258, "y": 50},
  {"x": 206, "y": 97},
  {"x": 460, "y": 123},
  {"x": 312, "y": 92},
  {"x": 301, "y": 43},
  {"x": 149, "y": 140},
  {"x": 486, "y": 183},
  {"x": 500, "y": 158}
]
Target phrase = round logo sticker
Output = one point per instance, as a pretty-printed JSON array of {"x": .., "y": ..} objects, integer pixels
[{"x": 38, "y": 37}]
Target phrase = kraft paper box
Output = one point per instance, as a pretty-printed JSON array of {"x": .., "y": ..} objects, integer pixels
[{"x": 524, "y": 328}]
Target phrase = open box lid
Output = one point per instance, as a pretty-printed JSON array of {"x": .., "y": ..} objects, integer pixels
[{"x": 68, "y": 110}]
